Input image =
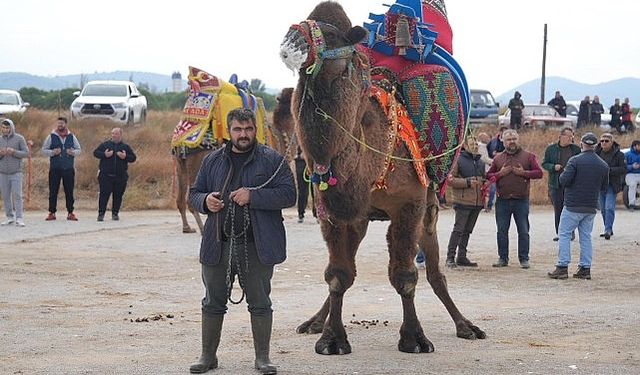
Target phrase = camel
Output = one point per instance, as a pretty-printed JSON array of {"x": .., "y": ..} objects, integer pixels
[
  {"x": 333, "y": 109},
  {"x": 283, "y": 123},
  {"x": 187, "y": 169}
]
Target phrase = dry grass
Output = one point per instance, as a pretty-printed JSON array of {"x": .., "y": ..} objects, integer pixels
[{"x": 151, "y": 177}]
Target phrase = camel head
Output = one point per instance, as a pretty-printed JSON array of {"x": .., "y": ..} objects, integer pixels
[
  {"x": 283, "y": 120},
  {"x": 334, "y": 77}
]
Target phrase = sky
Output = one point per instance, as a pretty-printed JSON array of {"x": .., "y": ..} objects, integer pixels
[{"x": 498, "y": 43}]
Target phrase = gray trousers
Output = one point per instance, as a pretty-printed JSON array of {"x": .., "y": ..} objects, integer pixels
[
  {"x": 11, "y": 186},
  {"x": 257, "y": 282}
]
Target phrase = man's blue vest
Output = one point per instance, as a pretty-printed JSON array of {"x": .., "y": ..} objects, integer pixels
[{"x": 63, "y": 160}]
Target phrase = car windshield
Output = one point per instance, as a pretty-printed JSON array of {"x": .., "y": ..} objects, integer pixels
[
  {"x": 482, "y": 98},
  {"x": 105, "y": 90},
  {"x": 10, "y": 99},
  {"x": 539, "y": 110}
]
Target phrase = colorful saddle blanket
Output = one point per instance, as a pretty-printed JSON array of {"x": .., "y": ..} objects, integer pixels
[
  {"x": 410, "y": 47},
  {"x": 204, "y": 116}
]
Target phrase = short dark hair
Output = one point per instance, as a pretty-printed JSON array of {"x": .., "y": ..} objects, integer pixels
[
  {"x": 63, "y": 119},
  {"x": 566, "y": 129},
  {"x": 241, "y": 115}
]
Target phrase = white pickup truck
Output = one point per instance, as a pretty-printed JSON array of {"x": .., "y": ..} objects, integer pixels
[{"x": 119, "y": 101}]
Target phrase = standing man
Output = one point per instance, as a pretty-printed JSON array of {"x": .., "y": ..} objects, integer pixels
[
  {"x": 632, "y": 158},
  {"x": 596, "y": 111},
  {"x": 627, "y": 113},
  {"x": 13, "y": 148},
  {"x": 609, "y": 151},
  {"x": 115, "y": 157},
  {"x": 494, "y": 147},
  {"x": 559, "y": 104},
  {"x": 243, "y": 235},
  {"x": 555, "y": 159},
  {"x": 513, "y": 169},
  {"x": 62, "y": 148},
  {"x": 584, "y": 177},
  {"x": 616, "y": 116},
  {"x": 303, "y": 186},
  {"x": 516, "y": 106},
  {"x": 466, "y": 180},
  {"x": 584, "y": 113}
]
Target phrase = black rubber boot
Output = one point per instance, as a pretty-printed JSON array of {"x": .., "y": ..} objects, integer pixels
[
  {"x": 261, "y": 329},
  {"x": 211, "y": 329}
]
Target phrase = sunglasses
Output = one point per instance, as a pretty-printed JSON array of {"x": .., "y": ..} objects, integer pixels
[{"x": 604, "y": 141}]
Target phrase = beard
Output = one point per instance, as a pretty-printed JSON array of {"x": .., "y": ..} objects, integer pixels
[{"x": 243, "y": 147}]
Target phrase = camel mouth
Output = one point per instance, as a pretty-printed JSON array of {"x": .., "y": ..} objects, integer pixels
[{"x": 294, "y": 49}]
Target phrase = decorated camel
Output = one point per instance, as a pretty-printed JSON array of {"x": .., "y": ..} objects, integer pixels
[
  {"x": 380, "y": 124},
  {"x": 203, "y": 128}
]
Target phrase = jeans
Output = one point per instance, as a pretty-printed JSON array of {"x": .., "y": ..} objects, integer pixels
[
  {"x": 257, "y": 281},
  {"x": 608, "y": 209},
  {"x": 519, "y": 208},
  {"x": 492, "y": 195},
  {"x": 11, "y": 186},
  {"x": 569, "y": 221},
  {"x": 420, "y": 257},
  {"x": 68, "y": 179}
]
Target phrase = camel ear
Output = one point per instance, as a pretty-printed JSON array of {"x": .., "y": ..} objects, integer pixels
[{"x": 356, "y": 34}]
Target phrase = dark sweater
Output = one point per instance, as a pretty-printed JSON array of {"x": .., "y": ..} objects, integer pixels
[{"x": 584, "y": 177}]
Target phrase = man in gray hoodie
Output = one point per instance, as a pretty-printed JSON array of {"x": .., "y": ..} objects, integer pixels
[{"x": 13, "y": 148}]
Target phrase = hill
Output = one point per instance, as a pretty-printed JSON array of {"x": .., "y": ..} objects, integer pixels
[{"x": 572, "y": 90}]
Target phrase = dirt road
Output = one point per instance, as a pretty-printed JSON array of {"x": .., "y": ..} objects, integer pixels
[{"x": 71, "y": 293}]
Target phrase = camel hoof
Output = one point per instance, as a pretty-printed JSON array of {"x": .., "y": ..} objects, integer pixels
[
  {"x": 329, "y": 344},
  {"x": 414, "y": 341},
  {"x": 310, "y": 327},
  {"x": 468, "y": 331},
  {"x": 188, "y": 230}
]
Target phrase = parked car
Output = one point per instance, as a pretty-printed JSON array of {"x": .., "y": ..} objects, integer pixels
[
  {"x": 11, "y": 102},
  {"x": 572, "y": 112},
  {"x": 119, "y": 101},
  {"x": 538, "y": 116},
  {"x": 625, "y": 191},
  {"x": 484, "y": 109}
]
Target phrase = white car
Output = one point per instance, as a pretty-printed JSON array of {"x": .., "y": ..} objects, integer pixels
[
  {"x": 11, "y": 102},
  {"x": 573, "y": 106},
  {"x": 119, "y": 101}
]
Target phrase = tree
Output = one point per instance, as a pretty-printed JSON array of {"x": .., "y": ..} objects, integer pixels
[{"x": 256, "y": 86}]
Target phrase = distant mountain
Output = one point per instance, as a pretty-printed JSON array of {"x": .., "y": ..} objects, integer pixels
[{"x": 572, "y": 90}]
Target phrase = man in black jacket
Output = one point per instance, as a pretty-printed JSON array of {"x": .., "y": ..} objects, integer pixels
[
  {"x": 609, "y": 151},
  {"x": 115, "y": 157},
  {"x": 584, "y": 177},
  {"x": 559, "y": 104},
  {"x": 516, "y": 105},
  {"x": 596, "y": 111},
  {"x": 616, "y": 115}
]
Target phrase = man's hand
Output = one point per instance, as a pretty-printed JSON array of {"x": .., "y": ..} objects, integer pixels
[
  {"x": 241, "y": 196},
  {"x": 505, "y": 170},
  {"x": 474, "y": 182},
  {"x": 519, "y": 171},
  {"x": 636, "y": 165},
  {"x": 122, "y": 154},
  {"x": 214, "y": 204},
  {"x": 70, "y": 151},
  {"x": 108, "y": 153},
  {"x": 10, "y": 151},
  {"x": 558, "y": 167},
  {"x": 57, "y": 151},
  {"x": 3, "y": 151}
]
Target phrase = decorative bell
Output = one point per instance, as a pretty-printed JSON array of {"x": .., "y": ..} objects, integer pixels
[{"x": 403, "y": 36}]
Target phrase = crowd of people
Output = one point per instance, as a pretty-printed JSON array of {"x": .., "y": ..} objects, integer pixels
[{"x": 62, "y": 147}]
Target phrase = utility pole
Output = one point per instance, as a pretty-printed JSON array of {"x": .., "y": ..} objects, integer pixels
[{"x": 544, "y": 65}]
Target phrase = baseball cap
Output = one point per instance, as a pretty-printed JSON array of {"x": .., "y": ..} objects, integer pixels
[{"x": 589, "y": 139}]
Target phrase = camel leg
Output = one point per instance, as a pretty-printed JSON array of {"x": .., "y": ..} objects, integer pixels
[
  {"x": 315, "y": 324},
  {"x": 181, "y": 197},
  {"x": 403, "y": 275},
  {"x": 343, "y": 241},
  {"x": 429, "y": 243}
]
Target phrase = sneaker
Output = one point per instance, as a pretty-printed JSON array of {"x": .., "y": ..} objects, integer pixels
[
  {"x": 421, "y": 265},
  {"x": 501, "y": 263},
  {"x": 20, "y": 222},
  {"x": 72, "y": 217},
  {"x": 603, "y": 234},
  {"x": 465, "y": 262},
  {"x": 100, "y": 217},
  {"x": 450, "y": 263},
  {"x": 51, "y": 216},
  {"x": 524, "y": 264},
  {"x": 607, "y": 236},
  {"x": 300, "y": 220},
  {"x": 8, "y": 221},
  {"x": 582, "y": 273},
  {"x": 115, "y": 217},
  {"x": 559, "y": 273}
]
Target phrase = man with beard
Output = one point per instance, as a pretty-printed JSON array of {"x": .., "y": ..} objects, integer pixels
[
  {"x": 559, "y": 104},
  {"x": 609, "y": 151},
  {"x": 555, "y": 159},
  {"x": 242, "y": 188},
  {"x": 596, "y": 111},
  {"x": 62, "y": 148},
  {"x": 512, "y": 170},
  {"x": 516, "y": 106}
]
